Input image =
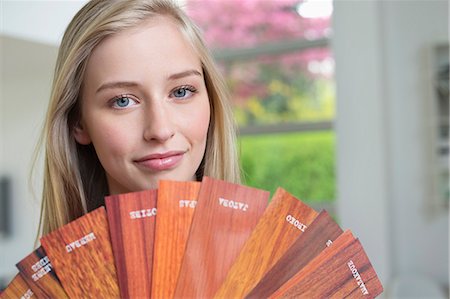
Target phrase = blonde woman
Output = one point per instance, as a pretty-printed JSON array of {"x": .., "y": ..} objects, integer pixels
[{"x": 136, "y": 98}]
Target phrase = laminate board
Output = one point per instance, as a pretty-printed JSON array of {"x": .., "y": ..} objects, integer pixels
[
  {"x": 82, "y": 256},
  {"x": 342, "y": 270},
  {"x": 284, "y": 220},
  {"x": 131, "y": 218},
  {"x": 17, "y": 288},
  {"x": 38, "y": 273},
  {"x": 176, "y": 204},
  {"x": 224, "y": 218},
  {"x": 320, "y": 233}
]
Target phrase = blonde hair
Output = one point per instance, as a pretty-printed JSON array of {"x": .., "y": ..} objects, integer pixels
[{"x": 74, "y": 180}]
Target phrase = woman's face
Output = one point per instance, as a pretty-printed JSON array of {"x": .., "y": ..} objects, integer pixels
[{"x": 145, "y": 107}]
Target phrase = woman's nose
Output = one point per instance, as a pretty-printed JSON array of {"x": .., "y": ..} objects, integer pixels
[{"x": 158, "y": 124}]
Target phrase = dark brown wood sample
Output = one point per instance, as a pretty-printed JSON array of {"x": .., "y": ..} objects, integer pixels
[
  {"x": 320, "y": 233},
  {"x": 223, "y": 220},
  {"x": 131, "y": 219},
  {"x": 340, "y": 271},
  {"x": 284, "y": 220},
  {"x": 39, "y": 274},
  {"x": 17, "y": 288},
  {"x": 176, "y": 204},
  {"x": 82, "y": 257}
]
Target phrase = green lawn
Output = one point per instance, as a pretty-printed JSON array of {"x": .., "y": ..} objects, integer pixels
[{"x": 301, "y": 163}]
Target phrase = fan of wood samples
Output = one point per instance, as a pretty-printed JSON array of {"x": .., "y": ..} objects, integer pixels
[{"x": 209, "y": 239}]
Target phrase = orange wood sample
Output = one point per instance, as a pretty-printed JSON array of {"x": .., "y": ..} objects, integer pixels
[
  {"x": 308, "y": 245},
  {"x": 176, "y": 204},
  {"x": 39, "y": 274},
  {"x": 82, "y": 257},
  {"x": 284, "y": 220},
  {"x": 223, "y": 220},
  {"x": 17, "y": 288},
  {"x": 342, "y": 270},
  {"x": 131, "y": 219}
]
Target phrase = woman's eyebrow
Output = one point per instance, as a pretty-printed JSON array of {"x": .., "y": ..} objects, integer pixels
[
  {"x": 117, "y": 84},
  {"x": 120, "y": 84},
  {"x": 185, "y": 74}
]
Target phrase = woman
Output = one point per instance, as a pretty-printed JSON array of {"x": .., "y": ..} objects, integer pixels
[{"x": 136, "y": 98}]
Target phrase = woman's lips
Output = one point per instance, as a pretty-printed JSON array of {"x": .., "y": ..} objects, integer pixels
[{"x": 159, "y": 162}]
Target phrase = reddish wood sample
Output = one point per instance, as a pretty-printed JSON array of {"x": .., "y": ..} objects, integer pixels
[
  {"x": 17, "y": 288},
  {"x": 131, "y": 219},
  {"x": 39, "y": 274},
  {"x": 340, "y": 271},
  {"x": 285, "y": 219},
  {"x": 82, "y": 257},
  {"x": 308, "y": 245},
  {"x": 223, "y": 220},
  {"x": 176, "y": 204}
]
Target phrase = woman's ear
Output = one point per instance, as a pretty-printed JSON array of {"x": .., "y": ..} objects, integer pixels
[{"x": 81, "y": 134}]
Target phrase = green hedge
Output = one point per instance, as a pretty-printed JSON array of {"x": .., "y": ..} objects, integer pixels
[{"x": 302, "y": 163}]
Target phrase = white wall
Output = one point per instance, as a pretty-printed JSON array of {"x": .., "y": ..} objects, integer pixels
[
  {"x": 383, "y": 97},
  {"x": 26, "y": 70}
]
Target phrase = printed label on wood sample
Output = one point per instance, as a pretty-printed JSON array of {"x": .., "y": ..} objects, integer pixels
[
  {"x": 38, "y": 273},
  {"x": 270, "y": 239},
  {"x": 176, "y": 205},
  {"x": 132, "y": 219},
  {"x": 315, "y": 281},
  {"x": 307, "y": 246},
  {"x": 217, "y": 235},
  {"x": 17, "y": 288},
  {"x": 87, "y": 270},
  {"x": 357, "y": 277}
]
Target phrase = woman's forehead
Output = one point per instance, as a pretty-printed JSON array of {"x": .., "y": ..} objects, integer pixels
[{"x": 154, "y": 46}]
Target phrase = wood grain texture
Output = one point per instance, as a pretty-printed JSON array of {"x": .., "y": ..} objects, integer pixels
[
  {"x": 176, "y": 205},
  {"x": 284, "y": 220},
  {"x": 331, "y": 274},
  {"x": 82, "y": 257},
  {"x": 131, "y": 219},
  {"x": 307, "y": 246},
  {"x": 38, "y": 273},
  {"x": 223, "y": 220},
  {"x": 17, "y": 288}
]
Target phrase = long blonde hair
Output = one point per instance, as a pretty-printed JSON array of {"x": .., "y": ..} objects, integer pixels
[{"x": 74, "y": 179}]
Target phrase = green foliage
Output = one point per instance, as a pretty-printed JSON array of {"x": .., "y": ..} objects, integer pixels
[
  {"x": 287, "y": 97},
  {"x": 301, "y": 163}
]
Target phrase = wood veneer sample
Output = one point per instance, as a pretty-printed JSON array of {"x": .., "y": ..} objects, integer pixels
[
  {"x": 38, "y": 273},
  {"x": 284, "y": 220},
  {"x": 223, "y": 220},
  {"x": 342, "y": 270},
  {"x": 322, "y": 231},
  {"x": 82, "y": 257},
  {"x": 131, "y": 219},
  {"x": 17, "y": 288},
  {"x": 176, "y": 204}
]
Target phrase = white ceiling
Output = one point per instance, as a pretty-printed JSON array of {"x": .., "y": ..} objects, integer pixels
[{"x": 37, "y": 20}]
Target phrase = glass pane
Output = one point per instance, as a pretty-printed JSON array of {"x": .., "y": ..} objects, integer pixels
[
  {"x": 272, "y": 87},
  {"x": 301, "y": 163},
  {"x": 283, "y": 88},
  {"x": 248, "y": 23}
]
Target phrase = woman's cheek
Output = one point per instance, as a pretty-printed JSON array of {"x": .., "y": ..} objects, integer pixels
[
  {"x": 112, "y": 138},
  {"x": 199, "y": 123}
]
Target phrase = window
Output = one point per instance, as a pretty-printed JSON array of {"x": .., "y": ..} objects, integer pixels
[{"x": 276, "y": 58}]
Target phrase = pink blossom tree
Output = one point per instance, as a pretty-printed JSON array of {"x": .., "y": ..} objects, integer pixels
[{"x": 267, "y": 88}]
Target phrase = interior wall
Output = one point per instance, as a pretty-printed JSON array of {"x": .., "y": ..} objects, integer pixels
[
  {"x": 420, "y": 230},
  {"x": 383, "y": 98},
  {"x": 26, "y": 72}
]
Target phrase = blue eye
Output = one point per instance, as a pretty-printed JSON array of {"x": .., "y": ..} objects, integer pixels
[
  {"x": 179, "y": 93},
  {"x": 183, "y": 92},
  {"x": 123, "y": 102}
]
